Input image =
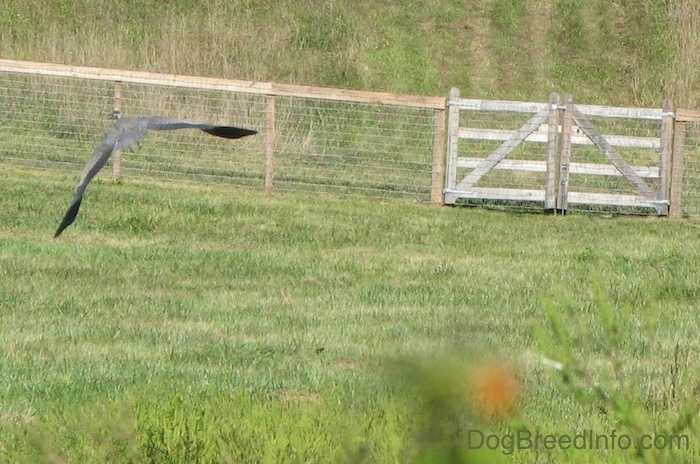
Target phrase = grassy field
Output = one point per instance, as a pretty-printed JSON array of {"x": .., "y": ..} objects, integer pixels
[{"x": 180, "y": 323}]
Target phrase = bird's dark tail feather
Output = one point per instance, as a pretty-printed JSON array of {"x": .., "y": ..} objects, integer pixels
[
  {"x": 229, "y": 132},
  {"x": 69, "y": 217}
]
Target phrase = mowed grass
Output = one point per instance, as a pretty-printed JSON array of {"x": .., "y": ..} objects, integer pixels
[{"x": 182, "y": 323}]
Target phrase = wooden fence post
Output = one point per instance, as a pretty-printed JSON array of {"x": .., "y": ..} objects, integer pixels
[
  {"x": 552, "y": 138},
  {"x": 117, "y": 157},
  {"x": 270, "y": 136},
  {"x": 437, "y": 181},
  {"x": 565, "y": 155},
  {"x": 676, "y": 187}
]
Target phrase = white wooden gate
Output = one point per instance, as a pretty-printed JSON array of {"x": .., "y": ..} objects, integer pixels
[{"x": 558, "y": 157}]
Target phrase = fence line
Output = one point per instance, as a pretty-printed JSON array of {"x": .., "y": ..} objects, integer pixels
[
  {"x": 362, "y": 143},
  {"x": 315, "y": 139}
]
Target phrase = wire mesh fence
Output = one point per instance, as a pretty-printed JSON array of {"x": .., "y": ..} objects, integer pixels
[
  {"x": 48, "y": 125},
  {"x": 55, "y": 123},
  {"x": 353, "y": 148},
  {"x": 690, "y": 199},
  {"x": 319, "y": 145}
]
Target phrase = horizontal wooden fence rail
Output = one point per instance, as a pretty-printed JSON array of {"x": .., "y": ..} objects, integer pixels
[
  {"x": 311, "y": 138},
  {"x": 229, "y": 85}
]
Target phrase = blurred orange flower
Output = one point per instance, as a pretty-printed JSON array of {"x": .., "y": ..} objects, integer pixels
[{"x": 496, "y": 390}]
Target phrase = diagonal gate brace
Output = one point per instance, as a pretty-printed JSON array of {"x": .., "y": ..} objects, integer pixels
[
  {"x": 599, "y": 140},
  {"x": 502, "y": 151}
]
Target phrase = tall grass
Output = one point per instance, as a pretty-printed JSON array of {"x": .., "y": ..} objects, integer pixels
[
  {"x": 685, "y": 17},
  {"x": 622, "y": 53}
]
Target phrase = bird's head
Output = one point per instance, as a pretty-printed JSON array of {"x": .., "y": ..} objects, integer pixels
[{"x": 116, "y": 114}]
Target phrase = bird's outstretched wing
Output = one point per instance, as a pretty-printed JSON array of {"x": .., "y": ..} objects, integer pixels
[
  {"x": 127, "y": 132},
  {"x": 227, "y": 132},
  {"x": 98, "y": 159}
]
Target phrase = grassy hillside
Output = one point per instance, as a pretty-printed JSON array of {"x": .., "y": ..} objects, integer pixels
[{"x": 626, "y": 52}]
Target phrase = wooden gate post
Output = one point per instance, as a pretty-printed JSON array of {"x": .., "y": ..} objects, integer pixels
[
  {"x": 452, "y": 144},
  {"x": 550, "y": 199},
  {"x": 565, "y": 154},
  {"x": 666, "y": 142},
  {"x": 437, "y": 181}
]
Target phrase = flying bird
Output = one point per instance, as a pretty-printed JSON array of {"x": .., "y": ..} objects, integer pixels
[{"x": 128, "y": 132}]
